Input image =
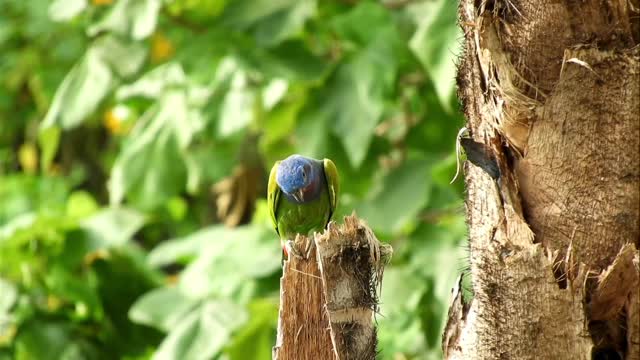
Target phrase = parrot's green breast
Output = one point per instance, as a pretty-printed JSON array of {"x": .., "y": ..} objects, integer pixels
[{"x": 303, "y": 218}]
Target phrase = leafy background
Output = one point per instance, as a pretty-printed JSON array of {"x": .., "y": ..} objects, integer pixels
[{"x": 135, "y": 140}]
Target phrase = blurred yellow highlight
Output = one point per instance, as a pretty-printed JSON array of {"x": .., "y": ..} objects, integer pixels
[
  {"x": 28, "y": 157},
  {"x": 161, "y": 48}
]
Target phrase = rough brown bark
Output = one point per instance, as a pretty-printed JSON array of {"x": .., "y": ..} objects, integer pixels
[
  {"x": 552, "y": 91},
  {"x": 328, "y": 295}
]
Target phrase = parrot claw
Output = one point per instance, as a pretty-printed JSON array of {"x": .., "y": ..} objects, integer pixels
[{"x": 290, "y": 249}]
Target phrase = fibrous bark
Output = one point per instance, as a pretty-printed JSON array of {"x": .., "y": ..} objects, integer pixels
[
  {"x": 328, "y": 294},
  {"x": 551, "y": 90}
]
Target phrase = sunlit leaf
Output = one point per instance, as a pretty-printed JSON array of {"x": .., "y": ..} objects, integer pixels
[
  {"x": 150, "y": 169},
  {"x": 112, "y": 226},
  {"x": 153, "y": 83},
  {"x": 80, "y": 93},
  {"x": 238, "y": 105},
  {"x": 91, "y": 80},
  {"x": 61, "y": 10},
  {"x": 163, "y": 308},
  {"x": 134, "y": 18},
  {"x": 8, "y": 298}
]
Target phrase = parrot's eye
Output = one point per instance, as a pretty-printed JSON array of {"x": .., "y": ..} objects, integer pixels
[{"x": 305, "y": 171}]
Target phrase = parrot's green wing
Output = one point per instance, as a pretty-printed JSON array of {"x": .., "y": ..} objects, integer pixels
[
  {"x": 331, "y": 175},
  {"x": 273, "y": 195}
]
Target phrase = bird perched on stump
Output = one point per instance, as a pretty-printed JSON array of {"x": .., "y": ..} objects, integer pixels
[{"x": 302, "y": 196}]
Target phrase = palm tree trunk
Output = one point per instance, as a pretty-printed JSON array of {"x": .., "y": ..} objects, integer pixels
[{"x": 551, "y": 92}]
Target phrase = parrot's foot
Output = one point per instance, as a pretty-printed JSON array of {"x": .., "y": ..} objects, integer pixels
[{"x": 290, "y": 249}]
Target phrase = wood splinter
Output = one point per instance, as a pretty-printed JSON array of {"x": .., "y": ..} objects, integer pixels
[{"x": 328, "y": 300}]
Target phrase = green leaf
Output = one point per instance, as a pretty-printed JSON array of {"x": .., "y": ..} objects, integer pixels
[
  {"x": 291, "y": 60},
  {"x": 150, "y": 169},
  {"x": 202, "y": 333},
  {"x": 91, "y": 80},
  {"x": 399, "y": 199},
  {"x": 124, "y": 57},
  {"x": 358, "y": 100},
  {"x": 436, "y": 43},
  {"x": 49, "y": 140},
  {"x": 285, "y": 23},
  {"x": 45, "y": 340},
  {"x": 80, "y": 93},
  {"x": 238, "y": 106},
  {"x": 241, "y": 14},
  {"x": 172, "y": 250},
  {"x": 255, "y": 339},
  {"x": 400, "y": 329},
  {"x": 313, "y": 129},
  {"x": 279, "y": 123},
  {"x": 81, "y": 204},
  {"x": 9, "y": 296},
  {"x": 112, "y": 227},
  {"x": 62, "y": 10},
  {"x": 136, "y": 19},
  {"x": 162, "y": 308},
  {"x": 356, "y": 96},
  {"x": 155, "y": 82},
  {"x": 76, "y": 289},
  {"x": 362, "y": 23},
  {"x": 228, "y": 262}
]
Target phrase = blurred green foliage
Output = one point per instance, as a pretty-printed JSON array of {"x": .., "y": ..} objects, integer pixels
[{"x": 135, "y": 140}]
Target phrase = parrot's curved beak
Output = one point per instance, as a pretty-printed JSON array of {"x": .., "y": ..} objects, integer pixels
[{"x": 298, "y": 195}]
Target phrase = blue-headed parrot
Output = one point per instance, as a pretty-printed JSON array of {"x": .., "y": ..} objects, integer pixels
[{"x": 302, "y": 196}]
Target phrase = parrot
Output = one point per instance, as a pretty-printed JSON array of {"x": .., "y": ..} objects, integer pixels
[{"x": 302, "y": 195}]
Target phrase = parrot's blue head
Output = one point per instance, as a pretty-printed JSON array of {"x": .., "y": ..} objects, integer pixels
[{"x": 297, "y": 176}]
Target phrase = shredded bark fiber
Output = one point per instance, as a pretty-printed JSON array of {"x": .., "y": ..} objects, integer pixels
[
  {"x": 552, "y": 91},
  {"x": 328, "y": 296}
]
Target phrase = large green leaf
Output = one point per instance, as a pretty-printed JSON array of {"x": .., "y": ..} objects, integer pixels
[
  {"x": 227, "y": 264},
  {"x": 355, "y": 99},
  {"x": 163, "y": 308},
  {"x": 285, "y": 23},
  {"x": 82, "y": 90},
  {"x": 172, "y": 250},
  {"x": 91, "y": 80},
  {"x": 151, "y": 167},
  {"x": 255, "y": 339},
  {"x": 358, "y": 95},
  {"x": 291, "y": 60},
  {"x": 203, "y": 332},
  {"x": 399, "y": 199},
  {"x": 436, "y": 43}
]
